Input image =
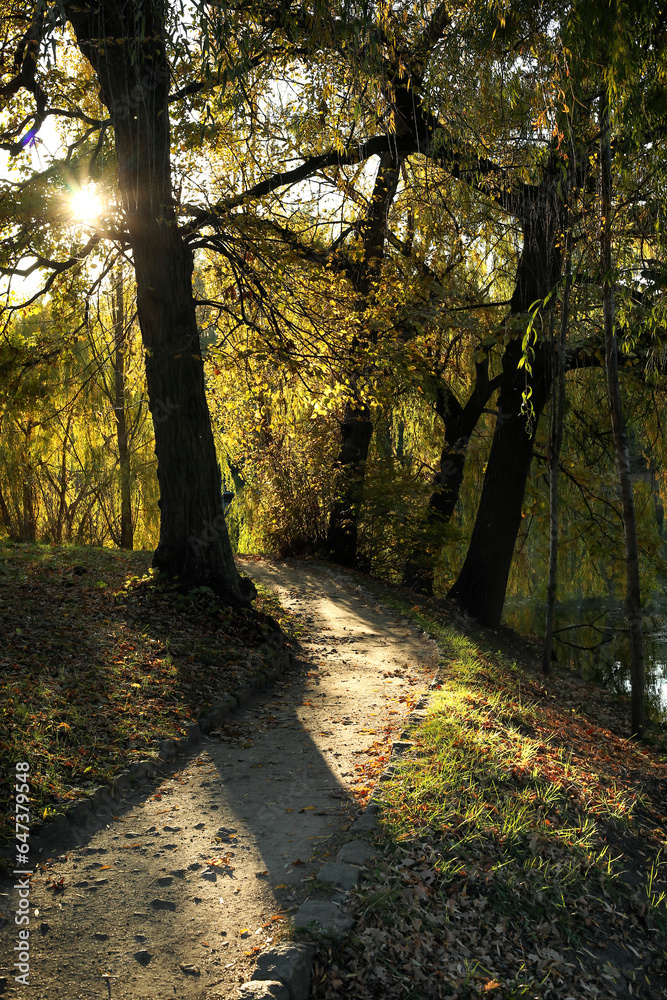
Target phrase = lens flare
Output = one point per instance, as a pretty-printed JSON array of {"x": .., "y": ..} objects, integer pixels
[{"x": 86, "y": 203}]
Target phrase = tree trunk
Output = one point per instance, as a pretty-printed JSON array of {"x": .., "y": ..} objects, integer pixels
[
  {"x": 356, "y": 433},
  {"x": 125, "y": 44},
  {"x": 28, "y": 520},
  {"x": 357, "y": 426},
  {"x": 28, "y": 531},
  {"x": 633, "y": 593},
  {"x": 120, "y": 415},
  {"x": 63, "y": 522},
  {"x": 482, "y": 582},
  {"x": 555, "y": 441},
  {"x": 419, "y": 567},
  {"x": 5, "y": 516},
  {"x": 460, "y": 422}
]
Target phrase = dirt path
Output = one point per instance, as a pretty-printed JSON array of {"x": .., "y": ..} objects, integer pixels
[{"x": 196, "y": 873}]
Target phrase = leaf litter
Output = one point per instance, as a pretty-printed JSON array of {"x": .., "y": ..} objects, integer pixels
[
  {"x": 523, "y": 844},
  {"x": 92, "y": 676}
]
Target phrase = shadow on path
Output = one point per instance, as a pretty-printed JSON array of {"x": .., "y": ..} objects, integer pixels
[{"x": 196, "y": 873}]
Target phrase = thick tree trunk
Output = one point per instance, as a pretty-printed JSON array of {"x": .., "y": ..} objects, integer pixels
[
  {"x": 120, "y": 414},
  {"x": 482, "y": 582},
  {"x": 632, "y": 586},
  {"x": 124, "y": 42},
  {"x": 356, "y": 432}
]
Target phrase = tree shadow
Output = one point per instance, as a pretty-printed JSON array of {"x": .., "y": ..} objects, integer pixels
[{"x": 255, "y": 807}]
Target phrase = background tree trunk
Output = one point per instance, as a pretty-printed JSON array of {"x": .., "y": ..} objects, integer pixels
[
  {"x": 120, "y": 415},
  {"x": 356, "y": 432},
  {"x": 555, "y": 441},
  {"x": 357, "y": 426},
  {"x": 28, "y": 514},
  {"x": 632, "y": 593},
  {"x": 459, "y": 421}
]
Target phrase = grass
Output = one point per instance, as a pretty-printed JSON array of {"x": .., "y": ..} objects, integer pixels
[
  {"x": 523, "y": 837},
  {"x": 99, "y": 661},
  {"x": 522, "y": 840},
  {"x": 514, "y": 806}
]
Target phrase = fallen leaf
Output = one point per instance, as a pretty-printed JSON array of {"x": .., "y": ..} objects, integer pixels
[{"x": 222, "y": 862}]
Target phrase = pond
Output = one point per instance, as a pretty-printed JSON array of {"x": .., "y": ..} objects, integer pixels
[{"x": 592, "y": 639}]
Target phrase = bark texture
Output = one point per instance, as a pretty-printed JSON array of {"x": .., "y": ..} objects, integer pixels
[
  {"x": 125, "y": 44},
  {"x": 482, "y": 582}
]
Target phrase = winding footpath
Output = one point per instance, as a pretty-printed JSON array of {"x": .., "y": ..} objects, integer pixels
[{"x": 198, "y": 870}]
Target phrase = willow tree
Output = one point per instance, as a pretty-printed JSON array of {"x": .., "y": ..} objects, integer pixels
[{"x": 126, "y": 45}]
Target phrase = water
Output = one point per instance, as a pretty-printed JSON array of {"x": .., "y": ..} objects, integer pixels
[{"x": 599, "y": 626}]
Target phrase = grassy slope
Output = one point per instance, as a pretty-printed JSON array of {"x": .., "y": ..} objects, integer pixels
[
  {"x": 521, "y": 836},
  {"x": 522, "y": 842},
  {"x": 97, "y": 663}
]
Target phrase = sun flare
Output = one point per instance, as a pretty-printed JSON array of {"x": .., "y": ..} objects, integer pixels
[{"x": 86, "y": 204}]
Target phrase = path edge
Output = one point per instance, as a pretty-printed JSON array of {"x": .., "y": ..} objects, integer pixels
[
  {"x": 284, "y": 971},
  {"x": 72, "y": 822}
]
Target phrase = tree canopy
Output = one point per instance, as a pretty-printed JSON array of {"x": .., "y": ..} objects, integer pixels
[{"x": 360, "y": 247}]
